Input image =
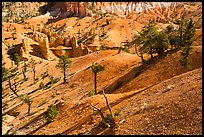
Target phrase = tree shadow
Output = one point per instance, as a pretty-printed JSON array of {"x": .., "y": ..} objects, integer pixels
[{"x": 102, "y": 129}]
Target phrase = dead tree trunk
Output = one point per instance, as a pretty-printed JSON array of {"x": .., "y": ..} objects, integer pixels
[
  {"x": 111, "y": 112},
  {"x": 141, "y": 54},
  {"x": 29, "y": 105},
  {"x": 102, "y": 116},
  {"x": 109, "y": 107},
  {"x": 14, "y": 88},
  {"x": 120, "y": 48}
]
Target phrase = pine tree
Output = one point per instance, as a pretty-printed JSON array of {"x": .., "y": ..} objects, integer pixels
[
  {"x": 13, "y": 85},
  {"x": 5, "y": 71},
  {"x": 148, "y": 33},
  {"x": 28, "y": 101},
  {"x": 95, "y": 69},
  {"x": 17, "y": 59},
  {"x": 64, "y": 63},
  {"x": 33, "y": 63},
  {"x": 140, "y": 51},
  {"x": 161, "y": 43},
  {"x": 187, "y": 32},
  {"x": 24, "y": 70},
  {"x": 146, "y": 38}
]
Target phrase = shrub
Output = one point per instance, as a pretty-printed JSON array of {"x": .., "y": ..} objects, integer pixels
[
  {"x": 26, "y": 79},
  {"x": 52, "y": 81},
  {"x": 54, "y": 59},
  {"x": 108, "y": 118},
  {"x": 51, "y": 112},
  {"x": 91, "y": 93},
  {"x": 187, "y": 32},
  {"x": 28, "y": 101},
  {"x": 41, "y": 86},
  {"x": 42, "y": 103},
  {"x": 44, "y": 75},
  {"x": 126, "y": 49},
  {"x": 96, "y": 68},
  {"x": 64, "y": 63},
  {"x": 16, "y": 59},
  {"x": 55, "y": 80},
  {"x": 117, "y": 112},
  {"x": 169, "y": 28},
  {"x": 102, "y": 48},
  {"x": 72, "y": 73},
  {"x": 72, "y": 85}
]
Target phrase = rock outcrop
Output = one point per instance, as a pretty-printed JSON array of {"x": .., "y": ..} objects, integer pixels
[
  {"x": 25, "y": 44},
  {"x": 60, "y": 40},
  {"x": 22, "y": 54},
  {"x": 6, "y": 123},
  {"x": 43, "y": 41},
  {"x": 67, "y": 41},
  {"x": 52, "y": 41},
  {"x": 78, "y": 50},
  {"x": 82, "y": 9},
  {"x": 65, "y": 9}
]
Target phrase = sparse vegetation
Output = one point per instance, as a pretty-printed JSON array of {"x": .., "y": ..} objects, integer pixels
[
  {"x": 102, "y": 34},
  {"x": 126, "y": 49},
  {"x": 187, "y": 32},
  {"x": 117, "y": 112},
  {"x": 64, "y": 63},
  {"x": 44, "y": 75},
  {"x": 33, "y": 63},
  {"x": 28, "y": 101},
  {"x": 96, "y": 68},
  {"x": 52, "y": 81},
  {"x": 13, "y": 85},
  {"x": 41, "y": 86},
  {"x": 91, "y": 93},
  {"x": 102, "y": 47},
  {"x": 109, "y": 120},
  {"x": 42, "y": 103},
  {"x": 24, "y": 70},
  {"x": 51, "y": 113},
  {"x": 5, "y": 71},
  {"x": 72, "y": 73},
  {"x": 16, "y": 59}
]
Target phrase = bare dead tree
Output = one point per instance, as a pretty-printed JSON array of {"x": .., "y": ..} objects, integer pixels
[
  {"x": 102, "y": 116},
  {"x": 107, "y": 103},
  {"x": 28, "y": 101},
  {"x": 120, "y": 48},
  {"x": 13, "y": 86}
]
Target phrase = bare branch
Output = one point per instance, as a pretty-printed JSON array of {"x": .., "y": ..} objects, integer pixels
[
  {"x": 101, "y": 114},
  {"x": 109, "y": 107}
]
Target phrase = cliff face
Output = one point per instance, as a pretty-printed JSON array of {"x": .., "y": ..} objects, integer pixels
[{"x": 65, "y": 9}]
